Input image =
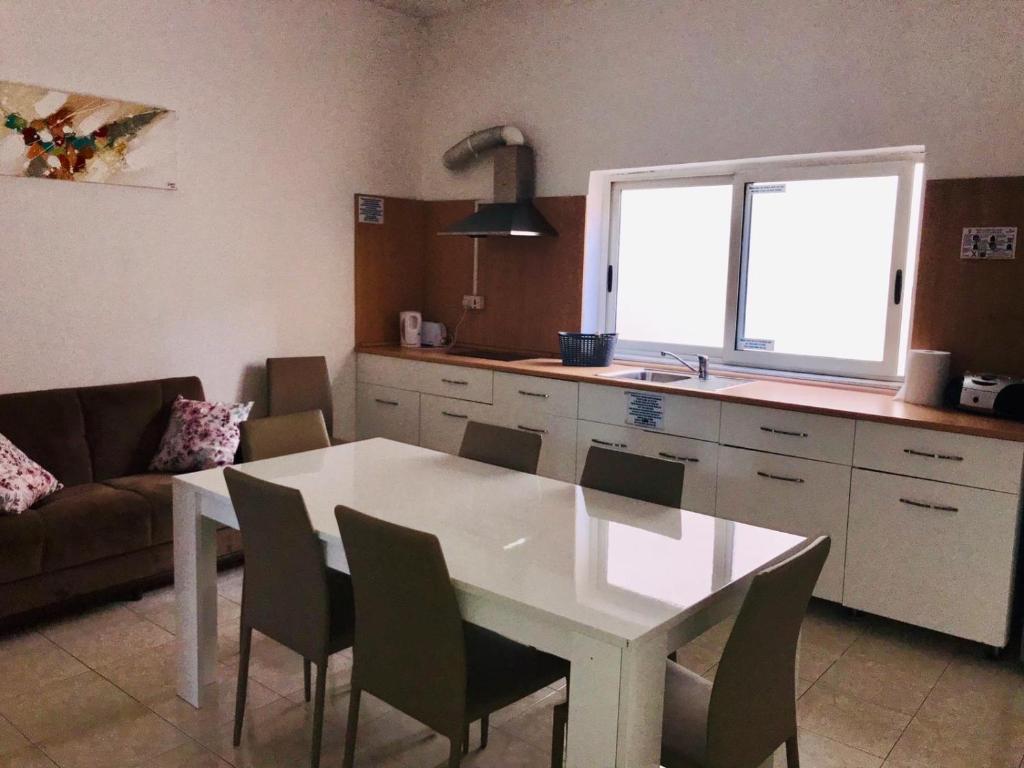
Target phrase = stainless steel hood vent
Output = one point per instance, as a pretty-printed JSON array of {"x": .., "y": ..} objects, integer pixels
[{"x": 512, "y": 214}]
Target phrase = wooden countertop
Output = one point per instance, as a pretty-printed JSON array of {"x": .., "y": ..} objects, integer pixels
[{"x": 865, "y": 403}]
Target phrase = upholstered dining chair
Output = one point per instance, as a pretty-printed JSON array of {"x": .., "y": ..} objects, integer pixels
[
  {"x": 501, "y": 446},
  {"x": 403, "y": 594},
  {"x": 750, "y": 710},
  {"x": 658, "y": 481},
  {"x": 280, "y": 435},
  {"x": 296, "y": 384},
  {"x": 288, "y": 593}
]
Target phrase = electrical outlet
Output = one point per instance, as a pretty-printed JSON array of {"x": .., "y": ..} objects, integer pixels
[{"x": 472, "y": 302}]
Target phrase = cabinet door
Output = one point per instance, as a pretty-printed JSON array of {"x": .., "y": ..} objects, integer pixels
[
  {"x": 443, "y": 421},
  {"x": 534, "y": 394},
  {"x": 937, "y": 555},
  {"x": 682, "y": 415},
  {"x": 387, "y": 371},
  {"x": 456, "y": 381},
  {"x": 558, "y": 446},
  {"x": 799, "y": 496},
  {"x": 388, "y": 412},
  {"x": 699, "y": 457}
]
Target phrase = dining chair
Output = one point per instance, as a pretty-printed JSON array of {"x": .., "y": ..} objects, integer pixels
[
  {"x": 280, "y": 435},
  {"x": 750, "y": 710},
  {"x": 501, "y": 446},
  {"x": 296, "y": 384},
  {"x": 288, "y": 593},
  {"x": 461, "y": 672},
  {"x": 658, "y": 481}
]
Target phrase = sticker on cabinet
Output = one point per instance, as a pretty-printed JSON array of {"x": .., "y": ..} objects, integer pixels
[{"x": 645, "y": 410}]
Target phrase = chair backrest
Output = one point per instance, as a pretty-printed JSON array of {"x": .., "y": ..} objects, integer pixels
[
  {"x": 281, "y": 435},
  {"x": 501, "y": 446},
  {"x": 658, "y": 481},
  {"x": 285, "y": 592},
  {"x": 753, "y": 702},
  {"x": 409, "y": 643},
  {"x": 296, "y": 384}
]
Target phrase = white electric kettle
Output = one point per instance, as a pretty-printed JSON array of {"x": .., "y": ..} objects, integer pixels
[{"x": 410, "y": 326}]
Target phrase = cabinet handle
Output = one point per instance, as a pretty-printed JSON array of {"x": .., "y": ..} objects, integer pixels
[
  {"x": 926, "y": 505},
  {"x": 673, "y": 457},
  {"x": 928, "y": 455},
  {"x": 385, "y": 402},
  {"x": 455, "y": 415},
  {"x": 456, "y": 381},
  {"x": 608, "y": 443},
  {"x": 785, "y": 432},
  {"x": 532, "y": 429},
  {"x": 770, "y": 476},
  {"x": 533, "y": 394}
]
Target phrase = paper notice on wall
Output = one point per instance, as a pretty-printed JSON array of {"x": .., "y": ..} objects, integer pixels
[
  {"x": 988, "y": 243},
  {"x": 645, "y": 410},
  {"x": 371, "y": 210}
]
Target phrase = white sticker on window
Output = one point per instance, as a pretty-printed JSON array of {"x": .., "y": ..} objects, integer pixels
[
  {"x": 646, "y": 410},
  {"x": 762, "y": 188},
  {"x": 761, "y": 345}
]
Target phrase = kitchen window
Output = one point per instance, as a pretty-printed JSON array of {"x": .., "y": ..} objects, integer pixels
[{"x": 800, "y": 264}]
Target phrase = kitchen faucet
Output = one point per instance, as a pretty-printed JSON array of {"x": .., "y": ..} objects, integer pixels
[{"x": 702, "y": 364}]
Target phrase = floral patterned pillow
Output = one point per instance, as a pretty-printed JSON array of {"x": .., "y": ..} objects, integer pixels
[
  {"x": 22, "y": 481},
  {"x": 200, "y": 435}
]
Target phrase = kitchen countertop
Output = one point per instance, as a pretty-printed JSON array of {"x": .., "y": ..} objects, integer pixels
[{"x": 829, "y": 399}]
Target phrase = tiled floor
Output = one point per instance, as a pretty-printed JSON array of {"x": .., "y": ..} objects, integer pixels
[{"x": 96, "y": 691}]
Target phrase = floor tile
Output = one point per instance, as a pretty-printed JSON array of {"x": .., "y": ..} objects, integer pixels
[
  {"x": 105, "y": 635},
  {"x": 33, "y": 661},
  {"x": 189, "y": 755},
  {"x": 715, "y": 638},
  {"x": 534, "y": 726},
  {"x": 27, "y": 757},
  {"x": 828, "y": 627},
  {"x": 697, "y": 658},
  {"x": 161, "y": 608},
  {"x": 280, "y": 668},
  {"x": 124, "y": 742},
  {"x": 229, "y": 584},
  {"x": 11, "y": 739},
  {"x": 821, "y": 752},
  {"x": 850, "y": 721},
  {"x": 928, "y": 746}
]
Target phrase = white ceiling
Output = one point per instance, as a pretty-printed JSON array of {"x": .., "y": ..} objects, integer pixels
[{"x": 426, "y": 8}]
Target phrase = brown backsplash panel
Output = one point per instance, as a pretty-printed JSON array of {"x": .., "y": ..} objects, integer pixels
[
  {"x": 974, "y": 309},
  {"x": 389, "y": 269}
]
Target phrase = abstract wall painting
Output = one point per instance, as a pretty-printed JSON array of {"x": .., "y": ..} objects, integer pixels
[{"x": 51, "y": 134}]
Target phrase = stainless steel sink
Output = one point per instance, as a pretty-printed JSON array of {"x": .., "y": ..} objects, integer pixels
[{"x": 646, "y": 374}]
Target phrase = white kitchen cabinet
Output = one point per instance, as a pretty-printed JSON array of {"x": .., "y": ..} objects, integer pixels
[
  {"x": 981, "y": 462},
  {"x": 387, "y": 412},
  {"x": 932, "y": 554},
  {"x": 791, "y": 433},
  {"x": 455, "y": 381},
  {"x": 699, "y": 457},
  {"x": 682, "y": 415},
  {"x": 789, "y": 494},
  {"x": 443, "y": 421},
  {"x": 533, "y": 394},
  {"x": 388, "y": 371},
  {"x": 558, "y": 441}
]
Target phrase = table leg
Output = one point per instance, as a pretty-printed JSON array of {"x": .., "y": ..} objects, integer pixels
[
  {"x": 195, "y": 584},
  {"x": 615, "y": 705}
]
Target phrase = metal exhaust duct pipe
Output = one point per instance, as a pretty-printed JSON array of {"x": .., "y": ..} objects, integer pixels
[{"x": 471, "y": 147}]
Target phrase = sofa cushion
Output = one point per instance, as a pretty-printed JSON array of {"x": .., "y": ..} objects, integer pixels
[
  {"x": 22, "y": 481},
  {"x": 21, "y": 546},
  {"x": 48, "y": 426},
  {"x": 156, "y": 490},
  {"x": 200, "y": 435},
  {"x": 124, "y": 422},
  {"x": 88, "y": 522}
]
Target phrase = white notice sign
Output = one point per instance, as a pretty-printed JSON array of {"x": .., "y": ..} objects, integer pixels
[
  {"x": 988, "y": 243},
  {"x": 645, "y": 410}
]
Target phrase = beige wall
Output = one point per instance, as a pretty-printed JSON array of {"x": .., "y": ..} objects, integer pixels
[
  {"x": 620, "y": 83},
  {"x": 285, "y": 109}
]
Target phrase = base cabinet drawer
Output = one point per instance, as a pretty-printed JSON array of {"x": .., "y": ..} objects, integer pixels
[
  {"x": 535, "y": 394},
  {"x": 681, "y": 415},
  {"x": 932, "y": 554},
  {"x": 791, "y": 433},
  {"x": 699, "y": 457},
  {"x": 558, "y": 441},
  {"x": 455, "y": 381},
  {"x": 798, "y": 496},
  {"x": 387, "y": 412},
  {"x": 387, "y": 371},
  {"x": 443, "y": 421}
]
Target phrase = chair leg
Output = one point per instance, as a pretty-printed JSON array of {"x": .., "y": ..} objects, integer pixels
[
  {"x": 485, "y": 724},
  {"x": 307, "y": 676},
  {"x": 558, "y": 732},
  {"x": 792, "y": 753},
  {"x": 350, "y": 733},
  {"x": 318, "y": 711},
  {"x": 465, "y": 739},
  {"x": 244, "y": 650},
  {"x": 455, "y": 754}
]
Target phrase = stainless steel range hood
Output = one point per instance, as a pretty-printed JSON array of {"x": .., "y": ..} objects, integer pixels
[{"x": 512, "y": 214}]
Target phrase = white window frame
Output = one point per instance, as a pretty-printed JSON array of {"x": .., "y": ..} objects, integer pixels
[{"x": 602, "y": 240}]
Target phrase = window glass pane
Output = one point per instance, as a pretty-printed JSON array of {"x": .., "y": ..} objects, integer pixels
[
  {"x": 673, "y": 264},
  {"x": 819, "y": 254}
]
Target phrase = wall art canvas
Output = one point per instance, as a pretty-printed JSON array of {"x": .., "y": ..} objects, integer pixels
[{"x": 50, "y": 134}]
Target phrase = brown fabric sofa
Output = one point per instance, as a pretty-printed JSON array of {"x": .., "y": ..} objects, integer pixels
[{"x": 110, "y": 528}]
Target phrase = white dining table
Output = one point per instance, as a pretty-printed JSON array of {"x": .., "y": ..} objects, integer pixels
[{"x": 609, "y": 583}]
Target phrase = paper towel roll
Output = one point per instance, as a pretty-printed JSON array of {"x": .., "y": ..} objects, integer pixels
[{"x": 927, "y": 374}]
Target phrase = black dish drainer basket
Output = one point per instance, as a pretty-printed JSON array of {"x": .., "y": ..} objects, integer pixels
[{"x": 587, "y": 349}]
